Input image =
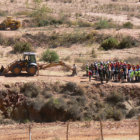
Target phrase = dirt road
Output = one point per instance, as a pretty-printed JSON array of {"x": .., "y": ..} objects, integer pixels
[
  {"x": 51, "y": 76},
  {"x": 123, "y": 130}
]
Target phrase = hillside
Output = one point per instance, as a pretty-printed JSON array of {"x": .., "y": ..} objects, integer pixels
[{"x": 75, "y": 30}]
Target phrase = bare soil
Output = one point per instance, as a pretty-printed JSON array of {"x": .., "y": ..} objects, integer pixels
[{"x": 123, "y": 130}]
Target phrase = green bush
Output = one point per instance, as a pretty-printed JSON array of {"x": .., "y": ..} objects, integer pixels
[
  {"x": 128, "y": 25},
  {"x": 21, "y": 47},
  {"x": 50, "y": 56},
  {"x": 103, "y": 24},
  {"x": 128, "y": 42},
  {"x": 110, "y": 43}
]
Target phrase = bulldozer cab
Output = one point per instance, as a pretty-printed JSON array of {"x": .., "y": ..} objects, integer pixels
[{"x": 30, "y": 57}]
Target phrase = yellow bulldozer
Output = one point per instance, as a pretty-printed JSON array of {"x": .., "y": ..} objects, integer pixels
[
  {"x": 10, "y": 23},
  {"x": 29, "y": 65}
]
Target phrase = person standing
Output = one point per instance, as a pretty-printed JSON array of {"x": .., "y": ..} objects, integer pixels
[
  {"x": 90, "y": 74},
  {"x": 74, "y": 70}
]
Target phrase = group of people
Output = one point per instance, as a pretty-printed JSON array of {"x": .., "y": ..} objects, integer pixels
[{"x": 115, "y": 71}]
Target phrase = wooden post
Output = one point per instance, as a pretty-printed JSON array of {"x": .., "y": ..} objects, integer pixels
[
  {"x": 139, "y": 127},
  {"x": 101, "y": 128},
  {"x": 30, "y": 134},
  {"x": 67, "y": 132}
]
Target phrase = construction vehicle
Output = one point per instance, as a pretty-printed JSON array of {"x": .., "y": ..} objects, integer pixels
[
  {"x": 28, "y": 64},
  {"x": 10, "y": 23}
]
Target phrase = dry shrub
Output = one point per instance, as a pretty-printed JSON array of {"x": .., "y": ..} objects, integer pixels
[
  {"x": 128, "y": 42},
  {"x": 73, "y": 89},
  {"x": 128, "y": 25},
  {"x": 20, "y": 47},
  {"x": 115, "y": 113},
  {"x": 30, "y": 90},
  {"x": 133, "y": 112},
  {"x": 57, "y": 103},
  {"x": 125, "y": 42},
  {"x": 114, "y": 98},
  {"x": 82, "y": 23}
]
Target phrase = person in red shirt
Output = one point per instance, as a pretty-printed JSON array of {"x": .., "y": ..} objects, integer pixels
[
  {"x": 89, "y": 74},
  {"x": 133, "y": 67},
  {"x": 137, "y": 67},
  {"x": 129, "y": 67}
]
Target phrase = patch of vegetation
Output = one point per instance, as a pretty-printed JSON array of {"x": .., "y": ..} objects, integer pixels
[
  {"x": 30, "y": 90},
  {"x": 128, "y": 42},
  {"x": 133, "y": 112},
  {"x": 68, "y": 39},
  {"x": 113, "y": 43},
  {"x": 73, "y": 89},
  {"x": 50, "y": 56},
  {"x": 65, "y": 39},
  {"x": 103, "y": 24},
  {"x": 115, "y": 113},
  {"x": 20, "y": 47},
  {"x": 47, "y": 94},
  {"x": 62, "y": 102},
  {"x": 39, "y": 15},
  {"x": 115, "y": 97},
  {"x": 57, "y": 103},
  {"x": 42, "y": 16},
  {"x": 128, "y": 25},
  {"x": 110, "y": 43},
  {"x": 82, "y": 23}
]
